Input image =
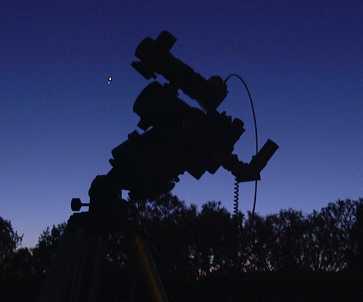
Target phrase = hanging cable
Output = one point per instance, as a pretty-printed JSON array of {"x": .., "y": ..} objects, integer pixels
[{"x": 236, "y": 185}]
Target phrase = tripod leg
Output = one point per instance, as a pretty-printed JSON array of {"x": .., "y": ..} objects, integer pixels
[
  {"x": 132, "y": 285},
  {"x": 96, "y": 261},
  {"x": 148, "y": 269},
  {"x": 75, "y": 275}
]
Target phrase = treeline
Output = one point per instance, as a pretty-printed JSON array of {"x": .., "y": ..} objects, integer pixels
[
  {"x": 191, "y": 245},
  {"x": 196, "y": 243}
]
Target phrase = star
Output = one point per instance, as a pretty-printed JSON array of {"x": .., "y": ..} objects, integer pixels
[{"x": 109, "y": 80}]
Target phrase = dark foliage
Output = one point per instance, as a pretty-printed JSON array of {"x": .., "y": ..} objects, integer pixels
[
  {"x": 192, "y": 246},
  {"x": 9, "y": 241},
  {"x": 45, "y": 251}
]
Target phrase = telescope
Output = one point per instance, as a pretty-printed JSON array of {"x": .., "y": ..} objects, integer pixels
[{"x": 174, "y": 137}]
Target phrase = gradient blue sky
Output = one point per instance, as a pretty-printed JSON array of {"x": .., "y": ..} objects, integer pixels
[{"x": 59, "y": 119}]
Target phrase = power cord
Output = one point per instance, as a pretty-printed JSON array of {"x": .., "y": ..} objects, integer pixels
[{"x": 236, "y": 184}]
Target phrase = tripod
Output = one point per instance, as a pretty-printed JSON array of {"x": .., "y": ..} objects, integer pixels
[{"x": 79, "y": 267}]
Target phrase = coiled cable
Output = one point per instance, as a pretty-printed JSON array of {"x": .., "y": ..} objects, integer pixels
[
  {"x": 236, "y": 184},
  {"x": 235, "y": 197}
]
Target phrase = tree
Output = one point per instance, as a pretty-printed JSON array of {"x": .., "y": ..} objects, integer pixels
[
  {"x": 170, "y": 225},
  {"x": 9, "y": 241},
  {"x": 329, "y": 239},
  {"x": 216, "y": 235},
  {"x": 355, "y": 255},
  {"x": 45, "y": 250},
  {"x": 286, "y": 245}
]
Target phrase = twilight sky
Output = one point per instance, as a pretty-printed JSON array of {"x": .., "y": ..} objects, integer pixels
[{"x": 59, "y": 119}]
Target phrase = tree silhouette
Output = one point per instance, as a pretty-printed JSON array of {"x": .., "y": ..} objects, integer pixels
[
  {"x": 329, "y": 240},
  {"x": 194, "y": 248},
  {"x": 192, "y": 244},
  {"x": 9, "y": 241},
  {"x": 355, "y": 255},
  {"x": 45, "y": 250}
]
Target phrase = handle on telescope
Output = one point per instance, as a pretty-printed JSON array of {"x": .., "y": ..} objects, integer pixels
[
  {"x": 76, "y": 204},
  {"x": 249, "y": 172},
  {"x": 260, "y": 160}
]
